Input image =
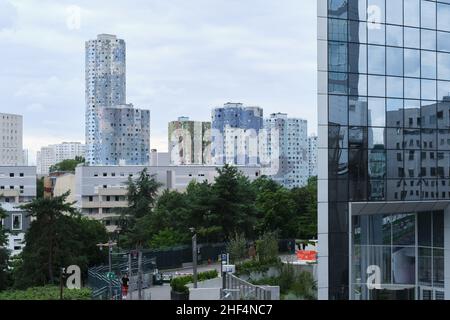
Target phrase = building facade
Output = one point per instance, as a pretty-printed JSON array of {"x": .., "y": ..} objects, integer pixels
[
  {"x": 235, "y": 134},
  {"x": 312, "y": 156},
  {"x": 17, "y": 186},
  {"x": 286, "y": 158},
  {"x": 116, "y": 132},
  {"x": 53, "y": 154},
  {"x": 100, "y": 190},
  {"x": 189, "y": 142},
  {"x": 105, "y": 85},
  {"x": 11, "y": 139},
  {"x": 123, "y": 135},
  {"x": 384, "y": 152}
]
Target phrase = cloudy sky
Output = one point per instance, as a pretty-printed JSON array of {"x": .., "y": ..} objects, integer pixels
[{"x": 183, "y": 58}]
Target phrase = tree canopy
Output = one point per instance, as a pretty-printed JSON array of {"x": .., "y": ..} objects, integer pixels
[
  {"x": 218, "y": 210},
  {"x": 58, "y": 237},
  {"x": 68, "y": 165}
]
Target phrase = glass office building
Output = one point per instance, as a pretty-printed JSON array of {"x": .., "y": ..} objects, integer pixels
[{"x": 384, "y": 149}]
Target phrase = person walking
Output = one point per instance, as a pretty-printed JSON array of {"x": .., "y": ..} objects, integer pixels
[{"x": 125, "y": 281}]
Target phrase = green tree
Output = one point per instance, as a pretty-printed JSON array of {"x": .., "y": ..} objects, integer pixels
[
  {"x": 232, "y": 203},
  {"x": 167, "y": 238},
  {"x": 276, "y": 212},
  {"x": 58, "y": 236},
  {"x": 68, "y": 165},
  {"x": 306, "y": 209},
  {"x": 136, "y": 219},
  {"x": 4, "y": 254}
]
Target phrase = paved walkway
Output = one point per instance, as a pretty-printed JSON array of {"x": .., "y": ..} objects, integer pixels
[{"x": 163, "y": 292}]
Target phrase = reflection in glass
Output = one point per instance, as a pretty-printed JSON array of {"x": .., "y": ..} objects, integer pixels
[
  {"x": 412, "y": 62},
  {"x": 377, "y": 86},
  {"x": 357, "y": 111},
  {"x": 376, "y": 112},
  {"x": 412, "y": 13},
  {"x": 394, "y": 36},
  {"x": 338, "y": 110},
  {"x": 376, "y": 60},
  {"x": 394, "y": 109},
  {"x": 394, "y": 62}
]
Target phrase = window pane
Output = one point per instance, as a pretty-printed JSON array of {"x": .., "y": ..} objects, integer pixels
[
  {"x": 412, "y": 63},
  {"x": 357, "y": 10},
  {"x": 428, "y": 15},
  {"x": 394, "y": 109},
  {"x": 377, "y": 86},
  {"x": 393, "y": 8},
  {"x": 412, "y": 88},
  {"x": 376, "y": 112},
  {"x": 428, "y": 39},
  {"x": 376, "y": 60},
  {"x": 394, "y": 36},
  {"x": 429, "y": 89},
  {"x": 443, "y": 17},
  {"x": 358, "y": 84},
  {"x": 443, "y": 41},
  {"x": 444, "y": 66},
  {"x": 377, "y": 35},
  {"x": 358, "y": 52},
  {"x": 337, "y": 8},
  {"x": 394, "y": 87},
  {"x": 412, "y": 38},
  {"x": 357, "y": 111},
  {"x": 428, "y": 64},
  {"x": 411, "y": 13},
  {"x": 394, "y": 61},
  {"x": 338, "y": 109},
  {"x": 337, "y": 58}
]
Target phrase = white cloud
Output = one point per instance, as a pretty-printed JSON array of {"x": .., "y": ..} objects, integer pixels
[{"x": 183, "y": 58}]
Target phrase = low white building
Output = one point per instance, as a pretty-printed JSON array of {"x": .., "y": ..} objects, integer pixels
[
  {"x": 100, "y": 191},
  {"x": 17, "y": 186}
]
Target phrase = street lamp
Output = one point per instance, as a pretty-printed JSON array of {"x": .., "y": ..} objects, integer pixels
[
  {"x": 110, "y": 245},
  {"x": 194, "y": 255}
]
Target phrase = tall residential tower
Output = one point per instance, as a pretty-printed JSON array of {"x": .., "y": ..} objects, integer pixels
[{"x": 116, "y": 132}]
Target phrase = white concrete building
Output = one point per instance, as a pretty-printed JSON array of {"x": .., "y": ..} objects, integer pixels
[
  {"x": 11, "y": 139},
  {"x": 53, "y": 154},
  {"x": 286, "y": 156},
  {"x": 312, "y": 156},
  {"x": 99, "y": 191},
  {"x": 17, "y": 186}
]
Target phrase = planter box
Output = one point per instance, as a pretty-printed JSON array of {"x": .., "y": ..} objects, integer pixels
[{"x": 178, "y": 295}]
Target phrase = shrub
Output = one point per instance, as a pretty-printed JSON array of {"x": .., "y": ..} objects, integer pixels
[
  {"x": 237, "y": 248},
  {"x": 267, "y": 247},
  {"x": 250, "y": 266},
  {"x": 179, "y": 284},
  {"x": 46, "y": 293}
]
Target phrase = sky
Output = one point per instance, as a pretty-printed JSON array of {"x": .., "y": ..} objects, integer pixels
[{"x": 184, "y": 57}]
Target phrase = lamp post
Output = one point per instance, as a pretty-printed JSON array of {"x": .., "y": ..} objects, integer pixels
[
  {"x": 194, "y": 255},
  {"x": 110, "y": 245}
]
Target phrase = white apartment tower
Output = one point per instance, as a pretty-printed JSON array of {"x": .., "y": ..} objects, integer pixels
[
  {"x": 312, "y": 156},
  {"x": 11, "y": 139},
  {"x": 286, "y": 150},
  {"x": 53, "y": 154}
]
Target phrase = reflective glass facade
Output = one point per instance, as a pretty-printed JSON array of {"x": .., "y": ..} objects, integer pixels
[{"x": 384, "y": 84}]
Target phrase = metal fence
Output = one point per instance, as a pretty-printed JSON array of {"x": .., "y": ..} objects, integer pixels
[{"x": 238, "y": 289}]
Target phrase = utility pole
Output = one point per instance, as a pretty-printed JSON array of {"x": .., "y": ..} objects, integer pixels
[
  {"x": 194, "y": 258},
  {"x": 140, "y": 275},
  {"x": 194, "y": 255},
  {"x": 110, "y": 245}
]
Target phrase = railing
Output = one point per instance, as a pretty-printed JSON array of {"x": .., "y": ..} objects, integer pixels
[{"x": 238, "y": 289}]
